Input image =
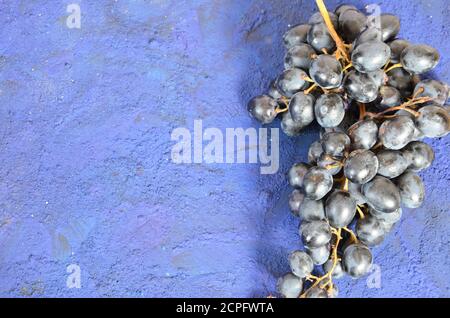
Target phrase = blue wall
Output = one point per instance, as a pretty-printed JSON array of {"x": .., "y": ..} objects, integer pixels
[{"x": 86, "y": 178}]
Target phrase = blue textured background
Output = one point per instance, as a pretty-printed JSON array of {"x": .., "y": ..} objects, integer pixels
[{"x": 86, "y": 177}]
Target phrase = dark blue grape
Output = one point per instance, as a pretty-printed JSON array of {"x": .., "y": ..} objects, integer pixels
[
  {"x": 263, "y": 108},
  {"x": 418, "y": 59},
  {"x": 296, "y": 35}
]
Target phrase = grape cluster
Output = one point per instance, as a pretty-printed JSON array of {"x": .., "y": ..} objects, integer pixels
[{"x": 363, "y": 87}]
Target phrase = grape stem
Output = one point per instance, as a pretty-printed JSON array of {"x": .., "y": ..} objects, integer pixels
[
  {"x": 307, "y": 79},
  {"x": 345, "y": 187},
  {"x": 361, "y": 213},
  {"x": 417, "y": 93},
  {"x": 311, "y": 277},
  {"x": 285, "y": 100},
  {"x": 333, "y": 166},
  {"x": 335, "y": 91},
  {"x": 378, "y": 145},
  {"x": 416, "y": 114},
  {"x": 352, "y": 234},
  {"x": 280, "y": 110},
  {"x": 398, "y": 65},
  {"x": 362, "y": 111},
  {"x": 405, "y": 106},
  {"x": 387, "y": 65},
  {"x": 309, "y": 90},
  {"x": 341, "y": 50},
  {"x": 347, "y": 67}
]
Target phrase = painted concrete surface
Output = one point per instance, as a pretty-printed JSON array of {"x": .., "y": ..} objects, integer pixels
[{"x": 86, "y": 177}]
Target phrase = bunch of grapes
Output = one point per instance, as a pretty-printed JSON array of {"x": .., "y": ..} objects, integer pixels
[{"x": 362, "y": 86}]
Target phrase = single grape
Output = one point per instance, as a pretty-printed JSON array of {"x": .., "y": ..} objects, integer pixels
[
  {"x": 315, "y": 233},
  {"x": 379, "y": 77},
  {"x": 314, "y": 152},
  {"x": 344, "y": 7},
  {"x": 317, "y": 18},
  {"x": 274, "y": 92},
  {"x": 401, "y": 80},
  {"x": 338, "y": 271},
  {"x": 370, "y": 33},
  {"x": 418, "y": 59},
  {"x": 317, "y": 183},
  {"x": 418, "y": 134},
  {"x": 299, "y": 56},
  {"x": 296, "y": 199},
  {"x": 340, "y": 208},
  {"x": 326, "y": 71},
  {"x": 360, "y": 87},
  {"x": 390, "y": 97},
  {"x": 406, "y": 93},
  {"x": 320, "y": 254},
  {"x": 289, "y": 126},
  {"x": 392, "y": 163},
  {"x": 363, "y": 134},
  {"x": 390, "y": 26},
  {"x": 316, "y": 292},
  {"x": 419, "y": 155},
  {"x": 297, "y": 173},
  {"x": 319, "y": 38},
  {"x": 397, "y": 47},
  {"x": 355, "y": 191},
  {"x": 351, "y": 23},
  {"x": 361, "y": 166},
  {"x": 329, "y": 110},
  {"x": 412, "y": 190},
  {"x": 290, "y": 286},
  {"x": 292, "y": 81},
  {"x": 301, "y": 264},
  {"x": 397, "y": 132},
  {"x": 402, "y": 112},
  {"x": 431, "y": 88},
  {"x": 382, "y": 194},
  {"x": 387, "y": 227},
  {"x": 335, "y": 143},
  {"x": 387, "y": 218},
  {"x": 433, "y": 121},
  {"x": 263, "y": 108},
  {"x": 370, "y": 231},
  {"x": 324, "y": 131},
  {"x": 333, "y": 165},
  {"x": 357, "y": 260},
  {"x": 370, "y": 56},
  {"x": 311, "y": 210},
  {"x": 301, "y": 108},
  {"x": 296, "y": 36}
]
